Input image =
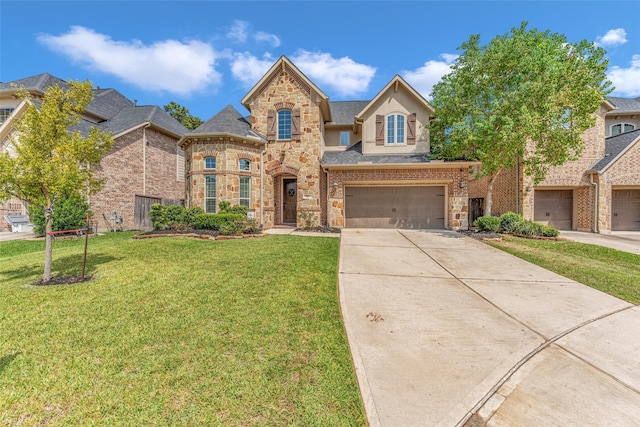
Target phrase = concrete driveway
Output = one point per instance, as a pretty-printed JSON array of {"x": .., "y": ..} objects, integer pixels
[
  {"x": 447, "y": 331},
  {"x": 627, "y": 241}
]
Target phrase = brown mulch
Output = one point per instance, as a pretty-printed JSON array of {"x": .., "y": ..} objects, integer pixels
[
  {"x": 481, "y": 235},
  {"x": 320, "y": 229},
  {"x": 62, "y": 280},
  {"x": 213, "y": 233}
]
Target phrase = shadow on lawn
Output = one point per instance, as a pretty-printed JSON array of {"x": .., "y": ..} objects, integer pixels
[
  {"x": 7, "y": 359},
  {"x": 70, "y": 265}
]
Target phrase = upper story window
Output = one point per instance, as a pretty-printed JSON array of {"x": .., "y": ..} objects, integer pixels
[
  {"x": 345, "y": 137},
  {"x": 284, "y": 124},
  {"x": 395, "y": 129},
  {"x": 5, "y": 113},
  {"x": 210, "y": 163},
  {"x": 621, "y": 128},
  {"x": 244, "y": 165}
]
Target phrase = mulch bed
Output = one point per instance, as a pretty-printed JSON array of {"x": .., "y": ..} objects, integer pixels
[
  {"x": 199, "y": 234},
  {"x": 320, "y": 229},
  {"x": 481, "y": 235},
  {"x": 62, "y": 280}
]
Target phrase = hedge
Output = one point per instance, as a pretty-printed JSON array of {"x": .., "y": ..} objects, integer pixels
[{"x": 215, "y": 221}]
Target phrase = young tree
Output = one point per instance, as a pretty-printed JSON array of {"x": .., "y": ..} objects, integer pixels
[
  {"x": 182, "y": 115},
  {"x": 49, "y": 160},
  {"x": 527, "y": 95}
]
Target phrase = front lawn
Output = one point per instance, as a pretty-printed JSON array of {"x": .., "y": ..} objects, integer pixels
[
  {"x": 611, "y": 271},
  {"x": 176, "y": 331}
]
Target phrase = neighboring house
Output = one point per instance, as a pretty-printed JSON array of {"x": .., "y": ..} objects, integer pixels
[
  {"x": 144, "y": 165},
  {"x": 599, "y": 192},
  {"x": 301, "y": 160}
]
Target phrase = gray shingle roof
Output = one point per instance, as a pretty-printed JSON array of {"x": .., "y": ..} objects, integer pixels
[
  {"x": 130, "y": 117},
  {"x": 614, "y": 145},
  {"x": 343, "y": 112},
  {"x": 39, "y": 82},
  {"x": 107, "y": 102},
  {"x": 230, "y": 121},
  {"x": 625, "y": 104},
  {"x": 353, "y": 156}
]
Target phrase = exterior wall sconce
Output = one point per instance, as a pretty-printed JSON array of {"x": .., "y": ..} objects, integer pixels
[{"x": 462, "y": 183}]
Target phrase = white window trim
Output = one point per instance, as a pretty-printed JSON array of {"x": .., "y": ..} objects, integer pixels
[
  {"x": 240, "y": 163},
  {"x": 622, "y": 126},
  {"x": 395, "y": 121},
  {"x": 290, "y": 125},
  {"x": 214, "y": 198},
  {"x": 240, "y": 198}
]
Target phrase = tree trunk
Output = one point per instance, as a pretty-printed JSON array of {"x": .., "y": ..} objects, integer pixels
[
  {"x": 489, "y": 199},
  {"x": 48, "y": 238}
]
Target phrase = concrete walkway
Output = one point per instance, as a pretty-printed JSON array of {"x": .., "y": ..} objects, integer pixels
[
  {"x": 627, "y": 241},
  {"x": 447, "y": 331}
]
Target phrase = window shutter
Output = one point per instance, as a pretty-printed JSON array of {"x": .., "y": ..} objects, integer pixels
[
  {"x": 295, "y": 125},
  {"x": 411, "y": 129},
  {"x": 379, "y": 130},
  {"x": 271, "y": 124}
]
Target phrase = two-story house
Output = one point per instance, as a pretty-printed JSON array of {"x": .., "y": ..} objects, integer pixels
[
  {"x": 144, "y": 165},
  {"x": 300, "y": 159}
]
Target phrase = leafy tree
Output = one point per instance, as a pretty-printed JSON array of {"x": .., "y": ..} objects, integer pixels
[
  {"x": 526, "y": 95},
  {"x": 49, "y": 160},
  {"x": 182, "y": 115}
]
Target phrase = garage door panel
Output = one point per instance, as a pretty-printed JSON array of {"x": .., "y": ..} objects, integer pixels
[
  {"x": 554, "y": 208},
  {"x": 625, "y": 210},
  {"x": 394, "y": 207}
]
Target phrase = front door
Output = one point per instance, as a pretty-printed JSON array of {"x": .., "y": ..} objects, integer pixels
[{"x": 289, "y": 201}]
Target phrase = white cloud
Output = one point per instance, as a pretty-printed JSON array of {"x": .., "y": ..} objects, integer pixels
[
  {"x": 249, "y": 69},
  {"x": 424, "y": 78},
  {"x": 343, "y": 75},
  {"x": 613, "y": 37},
  {"x": 627, "y": 80},
  {"x": 272, "y": 39},
  {"x": 155, "y": 67},
  {"x": 238, "y": 31}
]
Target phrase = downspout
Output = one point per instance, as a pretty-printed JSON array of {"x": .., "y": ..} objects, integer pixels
[
  {"x": 596, "y": 204},
  {"x": 262, "y": 153},
  {"x": 326, "y": 172},
  {"x": 144, "y": 159}
]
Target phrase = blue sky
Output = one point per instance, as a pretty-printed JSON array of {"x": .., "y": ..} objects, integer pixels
[{"x": 205, "y": 55}]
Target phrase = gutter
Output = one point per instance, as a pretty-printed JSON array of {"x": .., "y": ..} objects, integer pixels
[
  {"x": 262, "y": 153},
  {"x": 596, "y": 204}
]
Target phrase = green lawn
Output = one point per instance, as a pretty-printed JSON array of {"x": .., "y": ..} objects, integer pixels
[
  {"x": 176, "y": 331},
  {"x": 611, "y": 271}
]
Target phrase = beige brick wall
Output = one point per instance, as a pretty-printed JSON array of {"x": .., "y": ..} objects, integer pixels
[
  {"x": 457, "y": 197},
  {"x": 504, "y": 198},
  {"x": 132, "y": 169},
  {"x": 290, "y": 158}
]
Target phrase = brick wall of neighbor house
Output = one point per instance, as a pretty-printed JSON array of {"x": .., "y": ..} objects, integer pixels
[
  {"x": 228, "y": 153},
  {"x": 504, "y": 197},
  {"x": 458, "y": 207},
  {"x": 299, "y": 159},
  {"x": 125, "y": 168},
  {"x": 10, "y": 207},
  {"x": 623, "y": 173}
]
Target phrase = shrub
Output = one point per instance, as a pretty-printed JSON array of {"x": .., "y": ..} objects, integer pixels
[
  {"x": 68, "y": 214},
  {"x": 225, "y": 207},
  {"x": 232, "y": 228},
  {"x": 487, "y": 223},
  {"x": 157, "y": 217},
  {"x": 215, "y": 221},
  {"x": 508, "y": 221},
  {"x": 190, "y": 215},
  {"x": 251, "y": 226},
  {"x": 548, "y": 231},
  {"x": 174, "y": 214}
]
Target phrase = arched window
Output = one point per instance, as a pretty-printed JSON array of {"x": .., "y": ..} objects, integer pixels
[
  {"x": 244, "y": 165},
  {"x": 284, "y": 124},
  {"x": 395, "y": 129},
  {"x": 621, "y": 128},
  {"x": 210, "y": 163}
]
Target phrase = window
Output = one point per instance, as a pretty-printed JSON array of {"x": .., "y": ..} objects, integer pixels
[
  {"x": 210, "y": 163},
  {"x": 345, "y": 136},
  {"x": 210, "y": 193},
  {"x": 621, "y": 128},
  {"x": 5, "y": 113},
  {"x": 395, "y": 129},
  {"x": 245, "y": 165},
  {"x": 245, "y": 191},
  {"x": 284, "y": 124}
]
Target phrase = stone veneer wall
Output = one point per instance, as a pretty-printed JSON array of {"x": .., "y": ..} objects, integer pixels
[
  {"x": 457, "y": 198},
  {"x": 124, "y": 167},
  {"x": 228, "y": 153},
  {"x": 291, "y": 158}
]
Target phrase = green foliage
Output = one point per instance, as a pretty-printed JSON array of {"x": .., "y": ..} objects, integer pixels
[
  {"x": 190, "y": 215},
  {"x": 487, "y": 223},
  {"x": 225, "y": 207},
  {"x": 527, "y": 95},
  {"x": 174, "y": 213},
  {"x": 215, "y": 221},
  {"x": 156, "y": 215},
  {"x": 168, "y": 217},
  {"x": 232, "y": 228},
  {"x": 70, "y": 214},
  {"x": 182, "y": 115},
  {"x": 508, "y": 221},
  {"x": 251, "y": 226},
  {"x": 513, "y": 223}
]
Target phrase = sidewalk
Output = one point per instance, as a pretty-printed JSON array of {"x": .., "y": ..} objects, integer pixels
[{"x": 627, "y": 241}]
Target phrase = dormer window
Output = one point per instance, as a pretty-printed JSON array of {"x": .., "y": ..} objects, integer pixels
[
  {"x": 395, "y": 129},
  {"x": 621, "y": 128},
  {"x": 284, "y": 124}
]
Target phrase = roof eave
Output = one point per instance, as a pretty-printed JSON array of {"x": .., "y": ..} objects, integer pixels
[
  {"x": 428, "y": 165},
  {"x": 182, "y": 142},
  {"x": 395, "y": 80}
]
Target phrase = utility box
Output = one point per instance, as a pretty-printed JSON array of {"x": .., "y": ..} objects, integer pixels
[{"x": 19, "y": 223}]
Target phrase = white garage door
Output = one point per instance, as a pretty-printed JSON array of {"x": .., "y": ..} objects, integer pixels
[{"x": 395, "y": 207}]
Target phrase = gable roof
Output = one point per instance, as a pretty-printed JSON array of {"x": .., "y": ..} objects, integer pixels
[
  {"x": 395, "y": 83},
  {"x": 344, "y": 112},
  {"x": 37, "y": 83},
  {"x": 227, "y": 122},
  {"x": 130, "y": 117},
  {"x": 625, "y": 105},
  {"x": 284, "y": 64},
  {"x": 615, "y": 147}
]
